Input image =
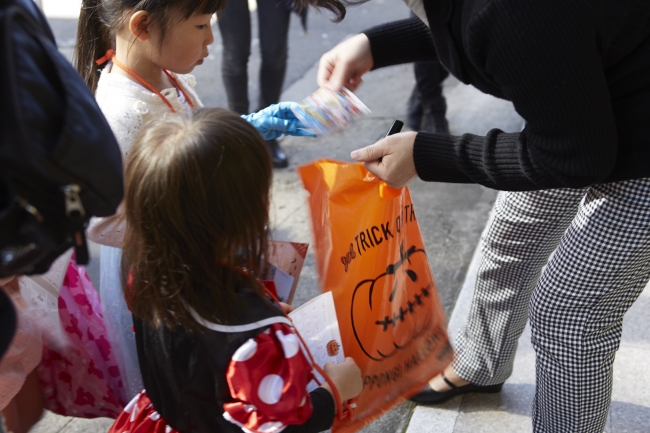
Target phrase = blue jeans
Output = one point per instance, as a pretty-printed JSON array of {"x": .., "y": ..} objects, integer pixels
[{"x": 235, "y": 27}]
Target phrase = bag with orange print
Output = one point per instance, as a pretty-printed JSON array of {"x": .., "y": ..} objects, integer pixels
[{"x": 370, "y": 255}]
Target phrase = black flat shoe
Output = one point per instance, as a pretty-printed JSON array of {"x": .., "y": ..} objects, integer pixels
[
  {"x": 429, "y": 396},
  {"x": 278, "y": 156}
]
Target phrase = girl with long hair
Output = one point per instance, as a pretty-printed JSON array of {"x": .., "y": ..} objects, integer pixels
[{"x": 217, "y": 353}]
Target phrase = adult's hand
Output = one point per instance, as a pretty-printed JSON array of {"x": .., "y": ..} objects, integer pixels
[
  {"x": 345, "y": 64},
  {"x": 390, "y": 159}
]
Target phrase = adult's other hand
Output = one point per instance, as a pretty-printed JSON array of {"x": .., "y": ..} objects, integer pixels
[
  {"x": 345, "y": 64},
  {"x": 390, "y": 159}
]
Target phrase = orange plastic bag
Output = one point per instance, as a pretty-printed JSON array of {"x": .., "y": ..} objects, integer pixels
[{"x": 370, "y": 255}]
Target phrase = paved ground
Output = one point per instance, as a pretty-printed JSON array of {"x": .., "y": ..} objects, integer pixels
[{"x": 451, "y": 218}]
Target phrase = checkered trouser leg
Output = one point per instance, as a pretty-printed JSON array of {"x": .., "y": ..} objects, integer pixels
[
  {"x": 523, "y": 231},
  {"x": 599, "y": 269}
]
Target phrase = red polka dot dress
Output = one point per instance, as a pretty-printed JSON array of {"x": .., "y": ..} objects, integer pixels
[
  {"x": 268, "y": 381},
  {"x": 248, "y": 377}
]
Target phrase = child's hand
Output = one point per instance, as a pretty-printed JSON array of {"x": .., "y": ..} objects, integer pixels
[
  {"x": 10, "y": 285},
  {"x": 278, "y": 120},
  {"x": 6, "y": 280},
  {"x": 286, "y": 307},
  {"x": 347, "y": 378}
]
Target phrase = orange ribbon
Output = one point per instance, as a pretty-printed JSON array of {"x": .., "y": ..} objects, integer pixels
[{"x": 110, "y": 55}]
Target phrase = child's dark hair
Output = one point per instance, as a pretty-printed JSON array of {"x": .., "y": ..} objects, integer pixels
[
  {"x": 99, "y": 19},
  {"x": 197, "y": 196}
]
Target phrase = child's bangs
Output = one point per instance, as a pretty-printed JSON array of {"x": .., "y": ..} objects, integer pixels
[{"x": 202, "y": 7}]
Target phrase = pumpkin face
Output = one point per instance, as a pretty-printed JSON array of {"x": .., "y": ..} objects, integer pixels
[
  {"x": 388, "y": 311},
  {"x": 332, "y": 348}
]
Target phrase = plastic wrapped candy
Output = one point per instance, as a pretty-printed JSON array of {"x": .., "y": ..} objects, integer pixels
[{"x": 326, "y": 111}]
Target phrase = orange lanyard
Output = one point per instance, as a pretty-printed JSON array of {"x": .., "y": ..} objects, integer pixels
[{"x": 110, "y": 55}]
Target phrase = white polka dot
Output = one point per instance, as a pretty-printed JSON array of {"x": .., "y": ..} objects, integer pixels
[
  {"x": 304, "y": 400},
  {"x": 129, "y": 407},
  {"x": 270, "y": 389},
  {"x": 270, "y": 427},
  {"x": 154, "y": 416},
  {"x": 248, "y": 408},
  {"x": 289, "y": 343},
  {"x": 245, "y": 352},
  {"x": 134, "y": 413}
]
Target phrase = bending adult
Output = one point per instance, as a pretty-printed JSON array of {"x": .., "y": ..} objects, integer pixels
[{"x": 579, "y": 74}]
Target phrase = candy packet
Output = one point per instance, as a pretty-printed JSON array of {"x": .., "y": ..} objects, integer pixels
[{"x": 326, "y": 111}]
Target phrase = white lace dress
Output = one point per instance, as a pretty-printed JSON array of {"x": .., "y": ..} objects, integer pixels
[{"x": 127, "y": 106}]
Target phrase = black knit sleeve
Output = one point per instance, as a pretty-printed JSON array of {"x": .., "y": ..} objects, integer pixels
[
  {"x": 544, "y": 57},
  {"x": 401, "y": 41},
  {"x": 322, "y": 417}
]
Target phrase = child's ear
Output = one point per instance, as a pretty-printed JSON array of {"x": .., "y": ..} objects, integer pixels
[{"x": 139, "y": 25}]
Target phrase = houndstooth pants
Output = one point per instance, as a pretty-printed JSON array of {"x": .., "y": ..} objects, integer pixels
[{"x": 599, "y": 239}]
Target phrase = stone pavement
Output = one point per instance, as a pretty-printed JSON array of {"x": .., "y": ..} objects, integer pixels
[{"x": 451, "y": 219}]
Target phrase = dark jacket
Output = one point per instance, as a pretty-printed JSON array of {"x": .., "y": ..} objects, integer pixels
[
  {"x": 578, "y": 72},
  {"x": 184, "y": 372}
]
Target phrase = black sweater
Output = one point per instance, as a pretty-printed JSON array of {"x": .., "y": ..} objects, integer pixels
[{"x": 578, "y": 72}]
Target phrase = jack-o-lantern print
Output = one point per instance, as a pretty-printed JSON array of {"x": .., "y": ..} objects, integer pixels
[
  {"x": 333, "y": 348},
  {"x": 391, "y": 310}
]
